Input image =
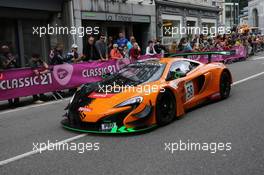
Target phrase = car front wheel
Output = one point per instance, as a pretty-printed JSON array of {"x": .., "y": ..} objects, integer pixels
[{"x": 165, "y": 108}]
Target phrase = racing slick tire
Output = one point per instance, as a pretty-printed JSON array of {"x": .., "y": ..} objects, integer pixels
[
  {"x": 225, "y": 85},
  {"x": 165, "y": 108}
]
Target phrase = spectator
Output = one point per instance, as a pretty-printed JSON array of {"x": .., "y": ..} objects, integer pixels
[
  {"x": 51, "y": 54},
  {"x": 9, "y": 61},
  {"x": 195, "y": 41},
  {"x": 159, "y": 48},
  {"x": 184, "y": 45},
  {"x": 56, "y": 58},
  {"x": 110, "y": 43},
  {"x": 90, "y": 52},
  {"x": 121, "y": 41},
  {"x": 125, "y": 52},
  {"x": 150, "y": 49},
  {"x": 39, "y": 67},
  {"x": 73, "y": 56},
  {"x": 173, "y": 47},
  {"x": 56, "y": 55},
  {"x": 131, "y": 42},
  {"x": 115, "y": 53},
  {"x": 134, "y": 52},
  {"x": 196, "y": 47},
  {"x": 102, "y": 48}
]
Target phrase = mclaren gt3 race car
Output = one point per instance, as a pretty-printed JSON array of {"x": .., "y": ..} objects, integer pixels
[{"x": 146, "y": 94}]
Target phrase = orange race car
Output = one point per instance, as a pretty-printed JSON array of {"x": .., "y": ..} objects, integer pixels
[{"x": 146, "y": 94}]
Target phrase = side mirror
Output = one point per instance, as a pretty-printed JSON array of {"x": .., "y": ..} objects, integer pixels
[{"x": 175, "y": 75}]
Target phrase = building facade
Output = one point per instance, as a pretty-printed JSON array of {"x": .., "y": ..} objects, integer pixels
[
  {"x": 229, "y": 12},
  {"x": 243, "y": 17},
  {"x": 132, "y": 17},
  {"x": 184, "y": 13},
  {"x": 17, "y": 20},
  {"x": 256, "y": 15}
]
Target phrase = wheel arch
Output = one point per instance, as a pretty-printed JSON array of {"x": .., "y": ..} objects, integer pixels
[
  {"x": 178, "y": 100},
  {"x": 229, "y": 73}
]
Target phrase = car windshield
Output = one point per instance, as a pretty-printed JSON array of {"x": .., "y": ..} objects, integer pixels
[{"x": 135, "y": 74}]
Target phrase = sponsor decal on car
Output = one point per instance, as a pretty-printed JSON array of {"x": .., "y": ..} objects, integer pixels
[
  {"x": 189, "y": 90},
  {"x": 100, "y": 95},
  {"x": 85, "y": 109},
  {"x": 108, "y": 126}
]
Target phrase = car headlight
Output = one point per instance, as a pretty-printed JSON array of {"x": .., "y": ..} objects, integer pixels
[
  {"x": 72, "y": 98},
  {"x": 131, "y": 101}
]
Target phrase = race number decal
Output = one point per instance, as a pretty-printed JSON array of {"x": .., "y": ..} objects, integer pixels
[{"x": 189, "y": 90}]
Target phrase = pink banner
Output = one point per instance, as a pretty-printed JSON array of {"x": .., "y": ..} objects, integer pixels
[
  {"x": 23, "y": 82},
  {"x": 241, "y": 52}
]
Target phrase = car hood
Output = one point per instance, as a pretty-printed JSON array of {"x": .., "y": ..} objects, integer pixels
[{"x": 103, "y": 104}]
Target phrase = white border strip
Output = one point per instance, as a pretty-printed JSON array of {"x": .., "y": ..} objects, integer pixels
[
  {"x": 248, "y": 78},
  {"x": 258, "y": 58}
]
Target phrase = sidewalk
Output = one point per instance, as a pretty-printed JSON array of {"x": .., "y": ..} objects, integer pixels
[{"x": 26, "y": 101}]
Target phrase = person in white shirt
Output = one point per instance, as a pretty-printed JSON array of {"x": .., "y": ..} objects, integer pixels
[{"x": 150, "y": 49}]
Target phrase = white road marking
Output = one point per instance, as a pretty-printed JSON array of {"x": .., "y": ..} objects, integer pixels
[
  {"x": 21, "y": 156},
  {"x": 248, "y": 78},
  {"x": 33, "y": 106},
  {"x": 258, "y": 58}
]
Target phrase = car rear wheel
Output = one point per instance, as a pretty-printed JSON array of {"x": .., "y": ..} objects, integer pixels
[
  {"x": 225, "y": 85},
  {"x": 165, "y": 108}
]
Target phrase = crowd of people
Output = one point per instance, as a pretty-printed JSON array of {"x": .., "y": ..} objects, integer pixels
[
  {"x": 107, "y": 48},
  {"x": 202, "y": 43}
]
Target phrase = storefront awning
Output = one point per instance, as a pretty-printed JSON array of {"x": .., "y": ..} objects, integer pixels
[{"x": 100, "y": 16}]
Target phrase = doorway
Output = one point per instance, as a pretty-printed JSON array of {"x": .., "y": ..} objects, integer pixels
[{"x": 114, "y": 32}]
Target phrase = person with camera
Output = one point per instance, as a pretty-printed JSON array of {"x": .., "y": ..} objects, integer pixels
[{"x": 9, "y": 61}]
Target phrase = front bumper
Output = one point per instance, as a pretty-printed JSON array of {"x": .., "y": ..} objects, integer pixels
[
  {"x": 95, "y": 128},
  {"x": 116, "y": 121}
]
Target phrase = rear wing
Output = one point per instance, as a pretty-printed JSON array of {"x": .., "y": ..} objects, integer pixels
[{"x": 210, "y": 53}]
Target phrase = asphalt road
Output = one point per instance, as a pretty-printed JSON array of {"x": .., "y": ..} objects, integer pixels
[{"x": 238, "y": 120}]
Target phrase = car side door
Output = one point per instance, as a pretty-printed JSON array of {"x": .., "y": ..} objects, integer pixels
[{"x": 180, "y": 72}]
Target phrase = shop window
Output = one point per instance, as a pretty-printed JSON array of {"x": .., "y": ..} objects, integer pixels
[
  {"x": 32, "y": 43},
  {"x": 171, "y": 31},
  {"x": 8, "y": 34}
]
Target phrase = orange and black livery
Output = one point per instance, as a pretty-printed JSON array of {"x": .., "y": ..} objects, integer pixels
[{"x": 146, "y": 94}]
